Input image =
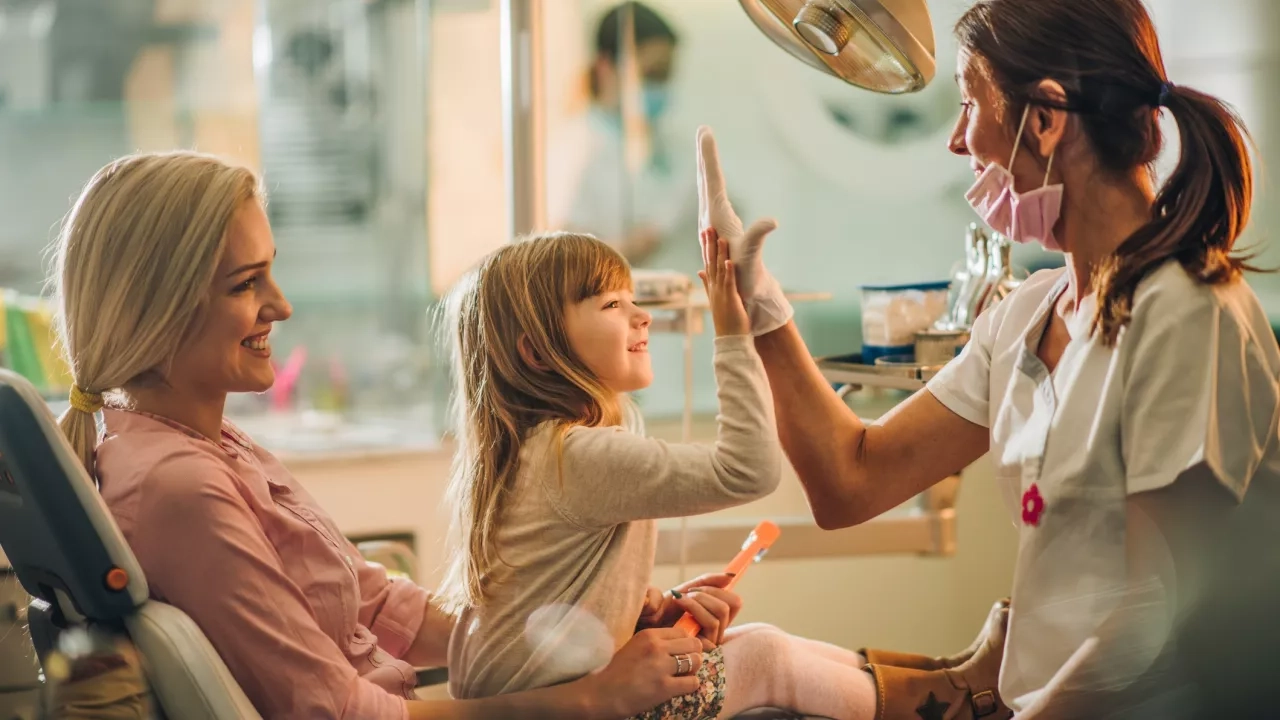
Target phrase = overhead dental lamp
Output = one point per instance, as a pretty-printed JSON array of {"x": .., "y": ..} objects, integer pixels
[{"x": 881, "y": 45}]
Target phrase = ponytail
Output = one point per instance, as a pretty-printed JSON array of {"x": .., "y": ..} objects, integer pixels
[
  {"x": 1197, "y": 216},
  {"x": 81, "y": 430},
  {"x": 133, "y": 263}
]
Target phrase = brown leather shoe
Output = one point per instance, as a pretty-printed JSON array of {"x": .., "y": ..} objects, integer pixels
[
  {"x": 925, "y": 662},
  {"x": 966, "y": 691}
]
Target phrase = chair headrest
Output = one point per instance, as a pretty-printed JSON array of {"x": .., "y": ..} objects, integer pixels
[{"x": 54, "y": 526}]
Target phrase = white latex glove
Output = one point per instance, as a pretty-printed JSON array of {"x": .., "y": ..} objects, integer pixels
[{"x": 766, "y": 305}]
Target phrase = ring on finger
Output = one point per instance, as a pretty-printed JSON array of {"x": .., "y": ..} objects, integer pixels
[{"x": 684, "y": 665}]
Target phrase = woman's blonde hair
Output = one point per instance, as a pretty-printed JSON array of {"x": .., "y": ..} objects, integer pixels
[
  {"x": 520, "y": 291},
  {"x": 134, "y": 264}
]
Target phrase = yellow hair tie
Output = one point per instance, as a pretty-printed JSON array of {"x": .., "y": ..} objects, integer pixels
[{"x": 85, "y": 402}]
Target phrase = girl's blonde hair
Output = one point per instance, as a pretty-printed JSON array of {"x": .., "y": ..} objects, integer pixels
[
  {"x": 520, "y": 291},
  {"x": 134, "y": 264}
]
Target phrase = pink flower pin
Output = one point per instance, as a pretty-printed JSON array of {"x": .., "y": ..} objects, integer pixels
[{"x": 1032, "y": 506}]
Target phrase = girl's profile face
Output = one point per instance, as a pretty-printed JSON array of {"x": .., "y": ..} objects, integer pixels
[{"x": 609, "y": 333}]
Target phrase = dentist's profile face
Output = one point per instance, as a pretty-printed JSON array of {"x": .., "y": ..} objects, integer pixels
[
  {"x": 986, "y": 130},
  {"x": 229, "y": 350},
  {"x": 981, "y": 132}
]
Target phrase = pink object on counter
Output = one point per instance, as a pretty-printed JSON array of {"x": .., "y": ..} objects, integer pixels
[{"x": 286, "y": 385}]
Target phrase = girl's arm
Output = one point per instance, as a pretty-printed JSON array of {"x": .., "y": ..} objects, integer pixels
[
  {"x": 607, "y": 476},
  {"x": 611, "y": 476}
]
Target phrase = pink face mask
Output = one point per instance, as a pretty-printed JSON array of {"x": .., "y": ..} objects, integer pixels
[{"x": 1022, "y": 217}]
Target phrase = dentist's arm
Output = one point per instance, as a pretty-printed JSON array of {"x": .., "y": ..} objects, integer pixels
[{"x": 851, "y": 472}]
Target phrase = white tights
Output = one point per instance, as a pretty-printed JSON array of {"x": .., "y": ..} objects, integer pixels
[{"x": 766, "y": 667}]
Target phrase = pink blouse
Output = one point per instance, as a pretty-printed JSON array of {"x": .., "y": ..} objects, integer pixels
[{"x": 226, "y": 534}]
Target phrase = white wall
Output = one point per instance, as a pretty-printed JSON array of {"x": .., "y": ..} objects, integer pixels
[{"x": 466, "y": 202}]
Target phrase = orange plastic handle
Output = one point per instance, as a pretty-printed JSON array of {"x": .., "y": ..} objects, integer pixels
[{"x": 756, "y": 545}]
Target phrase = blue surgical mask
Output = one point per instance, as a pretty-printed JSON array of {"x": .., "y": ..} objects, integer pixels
[{"x": 656, "y": 97}]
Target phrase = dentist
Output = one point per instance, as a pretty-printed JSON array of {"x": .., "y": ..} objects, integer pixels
[{"x": 1128, "y": 401}]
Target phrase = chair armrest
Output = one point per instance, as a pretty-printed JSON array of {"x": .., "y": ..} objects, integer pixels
[
  {"x": 432, "y": 676},
  {"x": 398, "y": 558}
]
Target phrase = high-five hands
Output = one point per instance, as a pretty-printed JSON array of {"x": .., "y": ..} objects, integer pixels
[{"x": 766, "y": 305}]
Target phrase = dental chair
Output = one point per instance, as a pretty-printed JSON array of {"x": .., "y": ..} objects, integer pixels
[{"x": 71, "y": 558}]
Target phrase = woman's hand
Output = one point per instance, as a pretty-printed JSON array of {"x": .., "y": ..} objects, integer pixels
[
  {"x": 643, "y": 673},
  {"x": 766, "y": 304},
  {"x": 653, "y": 667},
  {"x": 704, "y": 598},
  {"x": 718, "y": 277}
]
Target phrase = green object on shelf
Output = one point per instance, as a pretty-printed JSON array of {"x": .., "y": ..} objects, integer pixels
[
  {"x": 20, "y": 350},
  {"x": 28, "y": 345}
]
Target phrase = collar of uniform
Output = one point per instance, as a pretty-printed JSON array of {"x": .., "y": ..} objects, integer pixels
[{"x": 1029, "y": 362}]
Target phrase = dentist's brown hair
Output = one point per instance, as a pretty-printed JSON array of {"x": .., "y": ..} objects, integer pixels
[{"x": 1106, "y": 56}]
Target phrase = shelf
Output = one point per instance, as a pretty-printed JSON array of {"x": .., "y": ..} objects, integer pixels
[
  {"x": 850, "y": 370},
  {"x": 697, "y": 300},
  {"x": 921, "y": 532}
]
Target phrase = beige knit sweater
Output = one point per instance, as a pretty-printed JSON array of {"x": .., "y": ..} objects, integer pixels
[{"x": 580, "y": 542}]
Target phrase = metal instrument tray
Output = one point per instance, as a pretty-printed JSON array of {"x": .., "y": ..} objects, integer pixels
[{"x": 851, "y": 370}]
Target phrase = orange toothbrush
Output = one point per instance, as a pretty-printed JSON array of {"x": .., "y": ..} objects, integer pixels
[{"x": 756, "y": 545}]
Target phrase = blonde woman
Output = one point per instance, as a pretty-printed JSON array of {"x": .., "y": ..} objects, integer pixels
[
  {"x": 555, "y": 500},
  {"x": 166, "y": 299}
]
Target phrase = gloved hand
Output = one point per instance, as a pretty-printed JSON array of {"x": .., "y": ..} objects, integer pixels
[{"x": 766, "y": 305}]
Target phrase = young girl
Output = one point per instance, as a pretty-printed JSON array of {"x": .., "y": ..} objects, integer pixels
[{"x": 555, "y": 500}]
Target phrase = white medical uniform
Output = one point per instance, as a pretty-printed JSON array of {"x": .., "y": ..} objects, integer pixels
[
  {"x": 1191, "y": 385},
  {"x": 590, "y": 190}
]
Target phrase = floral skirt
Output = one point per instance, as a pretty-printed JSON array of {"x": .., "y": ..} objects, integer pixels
[{"x": 705, "y": 703}]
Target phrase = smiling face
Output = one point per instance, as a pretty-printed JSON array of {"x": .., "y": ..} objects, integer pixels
[
  {"x": 229, "y": 350},
  {"x": 609, "y": 333},
  {"x": 986, "y": 131},
  {"x": 981, "y": 132}
]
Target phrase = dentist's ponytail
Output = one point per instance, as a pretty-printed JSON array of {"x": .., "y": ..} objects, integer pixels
[
  {"x": 1197, "y": 215},
  {"x": 1106, "y": 56}
]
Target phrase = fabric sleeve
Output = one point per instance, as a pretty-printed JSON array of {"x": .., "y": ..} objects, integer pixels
[
  {"x": 608, "y": 476},
  {"x": 392, "y": 608},
  {"x": 204, "y": 552},
  {"x": 964, "y": 384},
  {"x": 1198, "y": 389}
]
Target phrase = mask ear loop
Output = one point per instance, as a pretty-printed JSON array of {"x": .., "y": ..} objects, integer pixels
[{"x": 1018, "y": 140}]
